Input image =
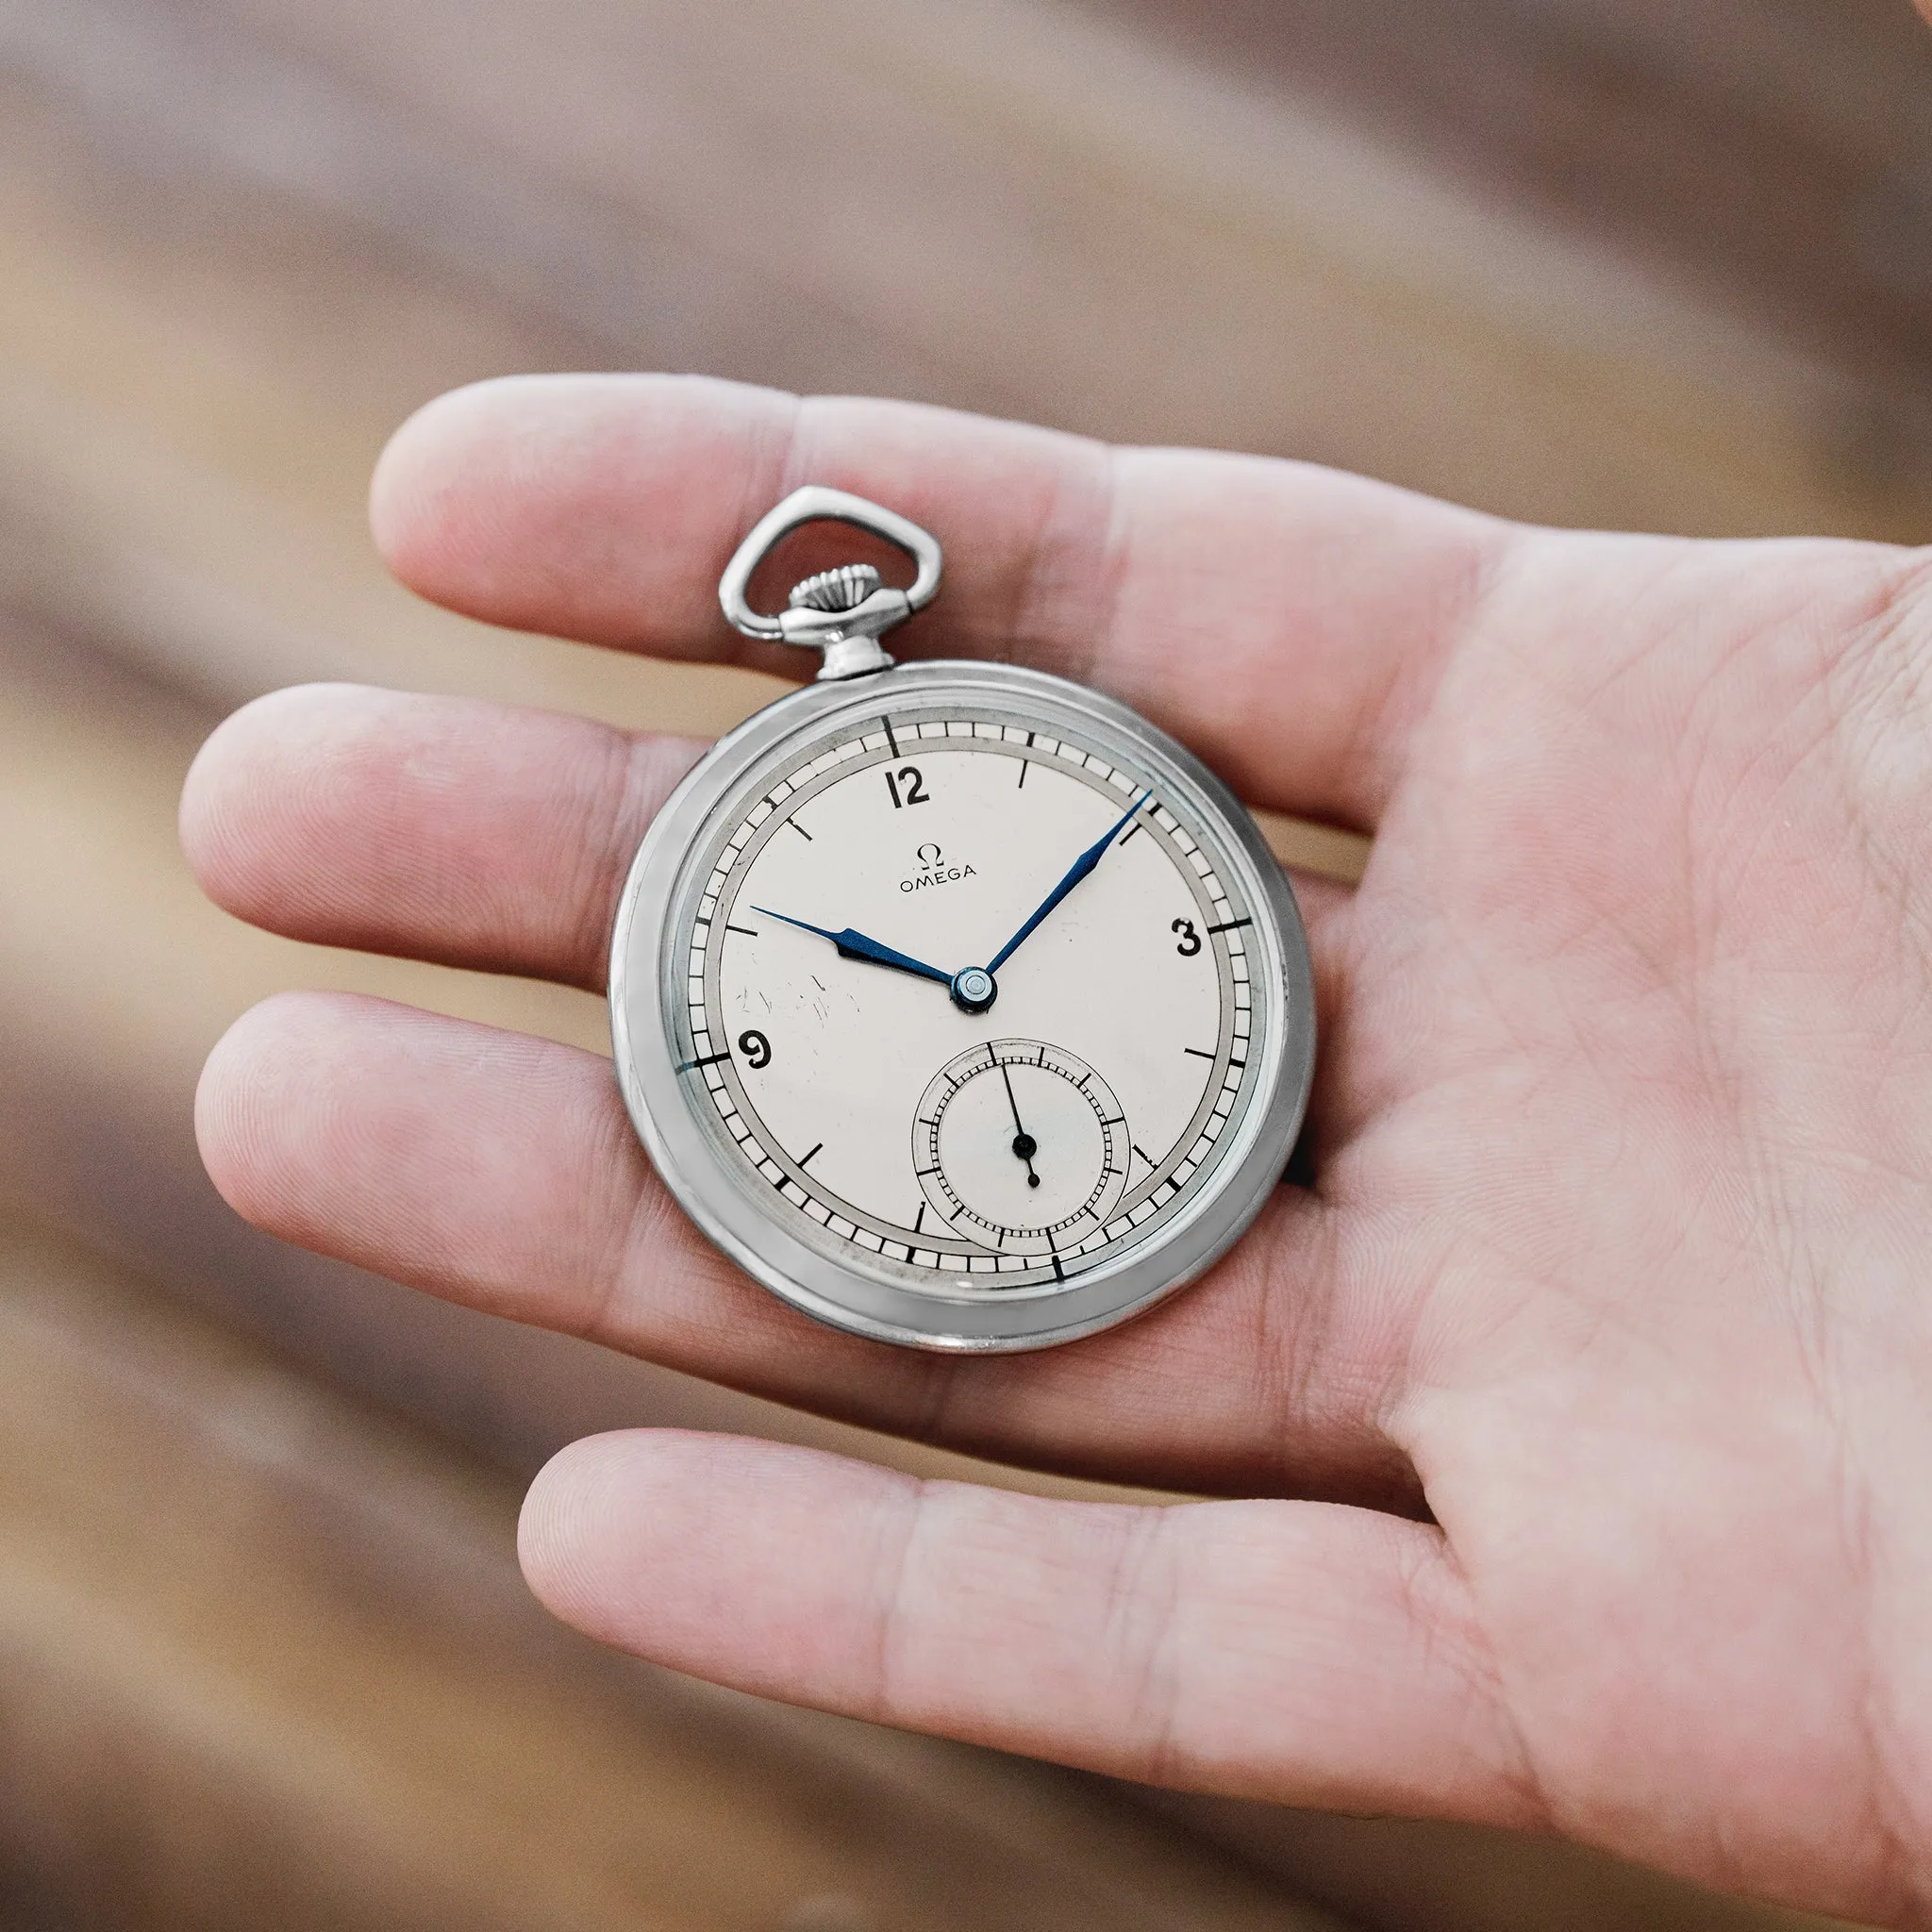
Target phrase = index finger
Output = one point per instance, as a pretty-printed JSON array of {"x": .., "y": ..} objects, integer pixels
[{"x": 1282, "y": 620}]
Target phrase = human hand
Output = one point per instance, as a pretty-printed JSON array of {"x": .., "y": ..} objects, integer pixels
[{"x": 1573, "y": 1426}]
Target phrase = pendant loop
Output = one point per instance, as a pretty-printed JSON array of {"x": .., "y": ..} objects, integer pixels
[{"x": 848, "y": 637}]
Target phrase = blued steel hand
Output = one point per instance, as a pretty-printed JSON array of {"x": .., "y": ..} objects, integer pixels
[
  {"x": 855, "y": 945},
  {"x": 1076, "y": 873},
  {"x": 1025, "y": 1145}
]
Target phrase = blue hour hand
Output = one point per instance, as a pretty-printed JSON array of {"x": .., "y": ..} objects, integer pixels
[
  {"x": 855, "y": 945},
  {"x": 1076, "y": 873}
]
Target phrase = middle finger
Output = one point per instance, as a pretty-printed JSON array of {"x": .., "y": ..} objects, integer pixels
[{"x": 451, "y": 829}]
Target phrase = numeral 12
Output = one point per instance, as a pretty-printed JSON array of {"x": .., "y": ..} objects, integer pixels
[{"x": 909, "y": 776}]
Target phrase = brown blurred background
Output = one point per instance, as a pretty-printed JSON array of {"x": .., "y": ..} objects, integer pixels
[{"x": 264, "y": 1656}]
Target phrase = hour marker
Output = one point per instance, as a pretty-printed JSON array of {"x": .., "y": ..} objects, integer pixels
[
  {"x": 917, "y": 1225},
  {"x": 1021, "y": 784},
  {"x": 805, "y": 1158},
  {"x": 922, "y": 1173},
  {"x": 1230, "y": 925},
  {"x": 1127, "y": 834},
  {"x": 1140, "y": 1150},
  {"x": 711, "y": 1060},
  {"x": 749, "y": 932},
  {"x": 890, "y": 739},
  {"x": 1197, "y": 1053},
  {"x": 799, "y": 829}
]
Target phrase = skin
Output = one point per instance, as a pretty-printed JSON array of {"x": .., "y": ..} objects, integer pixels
[{"x": 1565, "y": 1444}]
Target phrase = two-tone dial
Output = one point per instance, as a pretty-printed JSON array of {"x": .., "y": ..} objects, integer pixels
[{"x": 971, "y": 1003}]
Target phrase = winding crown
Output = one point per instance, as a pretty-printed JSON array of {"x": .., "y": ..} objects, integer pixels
[{"x": 843, "y": 589}]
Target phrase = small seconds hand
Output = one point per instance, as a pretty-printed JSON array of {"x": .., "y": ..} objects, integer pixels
[{"x": 1025, "y": 1145}]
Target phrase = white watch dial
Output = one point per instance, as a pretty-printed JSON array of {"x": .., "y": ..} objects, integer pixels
[{"x": 1001, "y": 1136}]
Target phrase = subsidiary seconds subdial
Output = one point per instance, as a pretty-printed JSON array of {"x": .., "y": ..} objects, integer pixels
[{"x": 1021, "y": 1147}]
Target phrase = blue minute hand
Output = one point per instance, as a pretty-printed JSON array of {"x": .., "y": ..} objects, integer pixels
[
  {"x": 1076, "y": 873},
  {"x": 855, "y": 945}
]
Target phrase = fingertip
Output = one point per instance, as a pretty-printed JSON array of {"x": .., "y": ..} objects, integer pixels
[
  {"x": 291, "y": 1114},
  {"x": 572, "y": 1516},
  {"x": 244, "y": 1102},
  {"x": 633, "y": 1537},
  {"x": 415, "y": 516},
  {"x": 218, "y": 782},
  {"x": 242, "y": 769},
  {"x": 720, "y": 1555},
  {"x": 502, "y": 498}
]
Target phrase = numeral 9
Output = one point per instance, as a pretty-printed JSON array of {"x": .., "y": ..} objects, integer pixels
[{"x": 756, "y": 1048}]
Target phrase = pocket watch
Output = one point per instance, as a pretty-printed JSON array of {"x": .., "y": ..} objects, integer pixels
[{"x": 956, "y": 1004}]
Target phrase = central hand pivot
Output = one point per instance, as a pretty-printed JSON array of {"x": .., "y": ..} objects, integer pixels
[{"x": 974, "y": 989}]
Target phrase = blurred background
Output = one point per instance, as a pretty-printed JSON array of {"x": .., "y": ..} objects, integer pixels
[{"x": 264, "y": 1656}]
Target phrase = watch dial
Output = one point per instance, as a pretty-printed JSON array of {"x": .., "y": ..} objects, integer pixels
[{"x": 935, "y": 1100}]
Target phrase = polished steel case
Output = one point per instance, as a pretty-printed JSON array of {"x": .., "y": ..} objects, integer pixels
[{"x": 741, "y": 1217}]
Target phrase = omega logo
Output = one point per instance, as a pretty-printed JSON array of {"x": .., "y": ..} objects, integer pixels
[{"x": 933, "y": 871}]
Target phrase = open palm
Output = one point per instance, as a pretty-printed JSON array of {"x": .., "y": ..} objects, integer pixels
[{"x": 1572, "y": 1428}]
